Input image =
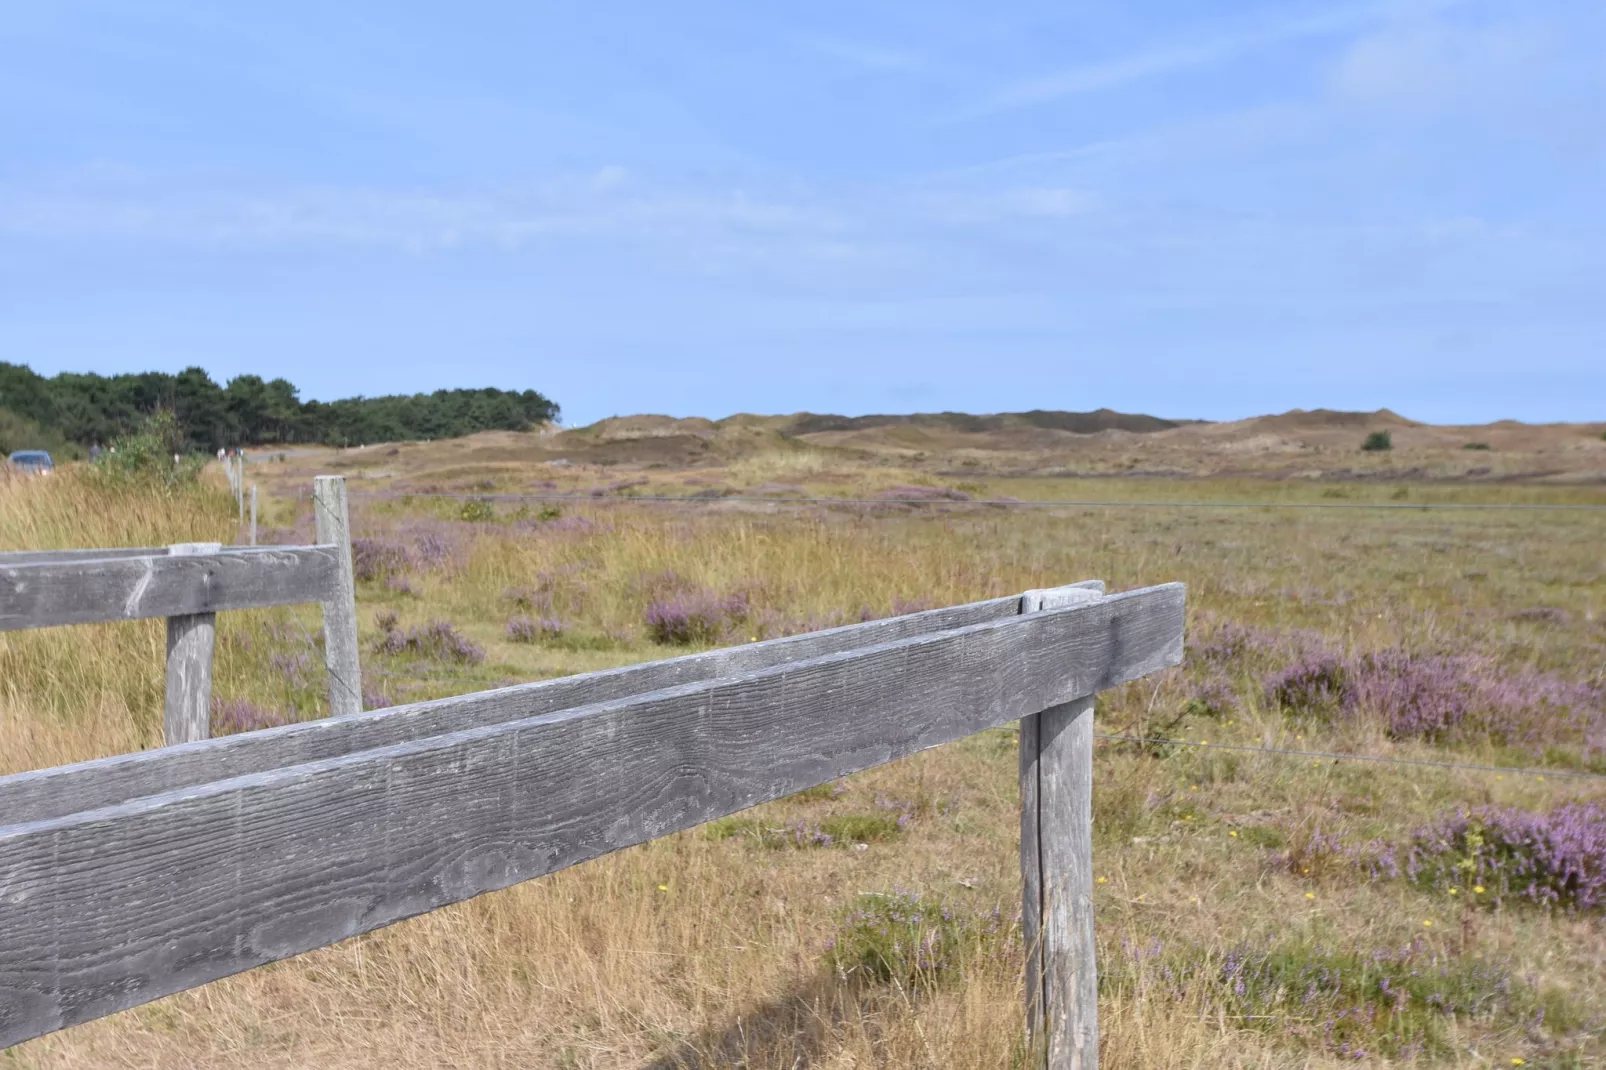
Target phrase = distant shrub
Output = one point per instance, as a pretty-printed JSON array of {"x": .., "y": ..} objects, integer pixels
[
  {"x": 1438, "y": 696},
  {"x": 1378, "y": 440},
  {"x": 148, "y": 454},
  {"x": 1317, "y": 684},
  {"x": 233, "y": 715},
  {"x": 523, "y": 629},
  {"x": 477, "y": 511},
  {"x": 1490, "y": 854},
  {"x": 437, "y": 639},
  {"x": 695, "y": 618},
  {"x": 1477, "y": 446},
  {"x": 374, "y": 557}
]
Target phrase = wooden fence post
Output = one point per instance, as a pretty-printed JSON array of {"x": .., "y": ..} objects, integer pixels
[
  {"x": 187, "y": 711},
  {"x": 333, "y": 520},
  {"x": 1056, "y": 854},
  {"x": 253, "y": 514}
]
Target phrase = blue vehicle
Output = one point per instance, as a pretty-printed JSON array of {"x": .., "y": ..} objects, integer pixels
[{"x": 31, "y": 463}]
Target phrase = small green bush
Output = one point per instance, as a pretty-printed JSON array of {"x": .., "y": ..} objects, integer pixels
[
  {"x": 1477, "y": 446},
  {"x": 147, "y": 455},
  {"x": 1378, "y": 440},
  {"x": 477, "y": 511},
  {"x": 914, "y": 941}
]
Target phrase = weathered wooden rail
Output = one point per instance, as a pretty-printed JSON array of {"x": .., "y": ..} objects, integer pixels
[
  {"x": 189, "y": 584},
  {"x": 130, "y": 878}
]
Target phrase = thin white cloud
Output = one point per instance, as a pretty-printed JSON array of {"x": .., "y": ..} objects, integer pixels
[
  {"x": 1425, "y": 65},
  {"x": 605, "y": 204},
  {"x": 1204, "y": 51}
]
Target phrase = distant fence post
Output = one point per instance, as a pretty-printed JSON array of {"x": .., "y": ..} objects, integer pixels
[
  {"x": 1056, "y": 854},
  {"x": 253, "y": 514},
  {"x": 333, "y": 520},
  {"x": 187, "y": 711}
]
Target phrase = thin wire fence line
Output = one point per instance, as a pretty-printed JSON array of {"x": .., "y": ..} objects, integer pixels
[
  {"x": 1003, "y": 502},
  {"x": 1468, "y": 766}
]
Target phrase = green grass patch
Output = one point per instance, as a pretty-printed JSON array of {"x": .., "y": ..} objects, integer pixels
[{"x": 1407, "y": 1002}]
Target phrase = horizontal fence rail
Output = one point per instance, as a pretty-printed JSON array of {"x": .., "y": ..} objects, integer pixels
[
  {"x": 138, "y": 877},
  {"x": 51, "y": 792},
  {"x": 95, "y": 589},
  {"x": 188, "y": 584}
]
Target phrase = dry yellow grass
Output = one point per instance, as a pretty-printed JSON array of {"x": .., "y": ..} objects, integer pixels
[{"x": 704, "y": 950}]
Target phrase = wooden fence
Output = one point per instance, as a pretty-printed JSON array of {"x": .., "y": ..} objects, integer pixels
[
  {"x": 129, "y": 878},
  {"x": 189, "y": 584}
]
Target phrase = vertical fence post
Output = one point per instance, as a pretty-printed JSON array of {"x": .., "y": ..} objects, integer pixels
[
  {"x": 187, "y": 711},
  {"x": 333, "y": 520},
  {"x": 1056, "y": 854},
  {"x": 253, "y": 514}
]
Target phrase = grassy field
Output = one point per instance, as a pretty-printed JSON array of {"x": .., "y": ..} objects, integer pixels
[{"x": 1253, "y": 910}]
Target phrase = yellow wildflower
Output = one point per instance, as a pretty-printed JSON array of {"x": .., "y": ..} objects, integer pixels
[{"x": 1477, "y": 889}]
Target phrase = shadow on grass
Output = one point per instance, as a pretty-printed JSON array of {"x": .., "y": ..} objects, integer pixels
[{"x": 793, "y": 1031}]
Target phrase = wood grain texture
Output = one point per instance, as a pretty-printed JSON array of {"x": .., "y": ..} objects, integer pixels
[
  {"x": 43, "y": 557},
  {"x": 1045, "y": 941},
  {"x": 53, "y": 792},
  {"x": 187, "y": 710},
  {"x": 107, "y": 909},
  {"x": 341, "y": 657},
  {"x": 84, "y": 591},
  {"x": 1068, "y": 974}
]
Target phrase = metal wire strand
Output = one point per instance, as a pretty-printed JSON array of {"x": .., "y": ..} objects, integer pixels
[{"x": 1004, "y": 502}]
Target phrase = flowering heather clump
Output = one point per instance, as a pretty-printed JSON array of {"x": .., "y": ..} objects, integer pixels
[
  {"x": 438, "y": 545},
  {"x": 914, "y": 941},
  {"x": 1213, "y": 698},
  {"x": 1395, "y": 1001},
  {"x": 373, "y": 557},
  {"x": 1441, "y": 697},
  {"x": 242, "y": 715},
  {"x": 1225, "y": 644},
  {"x": 1493, "y": 853},
  {"x": 1315, "y": 685},
  {"x": 522, "y": 629},
  {"x": 292, "y": 666},
  {"x": 437, "y": 639},
  {"x": 695, "y": 618}
]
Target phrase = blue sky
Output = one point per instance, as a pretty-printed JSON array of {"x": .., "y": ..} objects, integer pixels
[{"x": 1185, "y": 207}]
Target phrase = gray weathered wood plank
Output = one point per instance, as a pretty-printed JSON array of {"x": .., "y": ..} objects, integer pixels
[
  {"x": 1066, "y": 998},
  {"x": 84, "y": 591},
  {"x": 186, "y": 713},
  {"x": 107, "y": 909},
  {"x": 1051, "y": 776},
  {"x": 52, "y": 792},
  {"x": 340, "y": 653},
  {"x": 42, "y": 557}
]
